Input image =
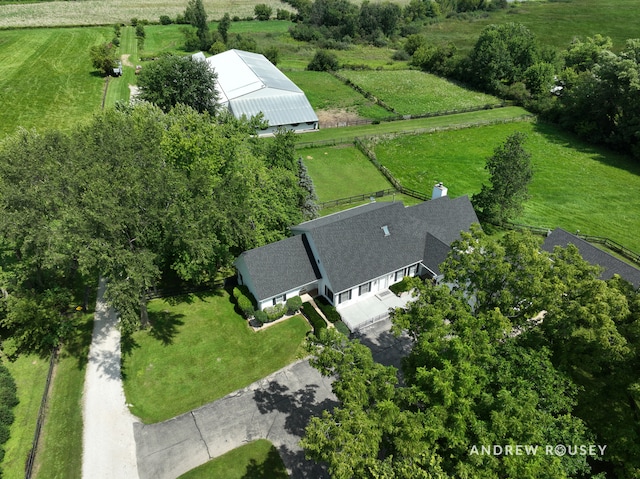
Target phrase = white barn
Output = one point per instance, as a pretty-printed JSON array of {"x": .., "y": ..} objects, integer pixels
[{"x": 248, "y": 84}]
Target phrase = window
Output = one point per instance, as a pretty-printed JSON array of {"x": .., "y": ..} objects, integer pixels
[
  {"x": 345, "y": 296},
  {"x": 279, "y": 299},
  {"x": 328, "y": 293},
  {"x": 364, "y": 288},
  {"x": 412, "y": 270},
  {"x": 399, "y": 275}
]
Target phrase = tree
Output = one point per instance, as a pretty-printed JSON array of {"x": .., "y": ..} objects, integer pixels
[
  {"x": 501, "y": 55},
  {"x": 262, "y": 12},
  {"x": 323, "y": 60},
  {"x": 223, "y": 27},
  {"x": 510, "y": 172},
  {"x": 309, "y": 199},
  {"x": 103, "y": 57},
  {"x": 196, "y": 15},
  {"x": 174, "y": 79}
]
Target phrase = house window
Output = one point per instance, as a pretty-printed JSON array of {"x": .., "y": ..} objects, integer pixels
[
  {"x": 412, "y": 270},
  {"x": 328, "y": 293},
  {"x": 364, "y": 288},
  {"x": 279, "y": 299},
  {"x": 399, "y": 275},
  {"x": 344, "y": 296}
]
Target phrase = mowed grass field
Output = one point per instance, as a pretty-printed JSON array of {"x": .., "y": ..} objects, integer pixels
[
  {"x": 200, "y": 350},
  {"x": 47, "y": 79},
  {"x": 412, "y": 92},
  {"x": 575, "y": 186}
]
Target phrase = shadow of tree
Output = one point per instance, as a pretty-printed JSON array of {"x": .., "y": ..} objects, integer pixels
[
  {"x": 271, "y": 468},
  {"x": 301, "y": 467},
  {"x": 78, "y": 343},
  {"x": 164, "y": 325}
]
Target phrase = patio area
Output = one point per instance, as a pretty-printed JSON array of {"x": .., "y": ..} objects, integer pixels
[{"x": 370, "y": 310}]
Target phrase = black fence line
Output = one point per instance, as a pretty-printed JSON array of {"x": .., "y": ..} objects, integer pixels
[
  {"x": 356, "y": 198},
  {"x": 28, "y": 469},
  {"x": 609, "y": 243}
]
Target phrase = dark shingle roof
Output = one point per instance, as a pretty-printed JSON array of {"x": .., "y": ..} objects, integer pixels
[
  {"x": 280, "y": 266},
  {"x": 353, "y": 247},
  {"x": 610, "y": 264}
]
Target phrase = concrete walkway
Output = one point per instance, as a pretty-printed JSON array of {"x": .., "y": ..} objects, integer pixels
[
  {"x": 108, "y": 443},
  {"x": 276, "y": 408}
]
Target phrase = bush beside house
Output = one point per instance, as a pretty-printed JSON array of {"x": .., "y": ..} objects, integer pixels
[
  {"x": 314, "y": 318},
  {"x": 245, "y": 300},
  {"x": 401, "y": 287},
  {"x": 328, "y": 310},
  {"x": 294, "y": 304}
]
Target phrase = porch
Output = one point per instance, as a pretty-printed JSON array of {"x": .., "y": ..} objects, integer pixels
[{"x": 372, "y": 309}]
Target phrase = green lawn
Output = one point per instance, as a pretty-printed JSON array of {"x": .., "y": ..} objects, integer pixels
[
  {"x": 118, "y": 89},
  {"x": 326, "y": 92},
  {"x": 200, "y": 350},
  {"x": 46, "y": 77},
  {"x": 60, "y": 451},
  {"x": 340, "y": 172},
  {"x": 256, "y": 460},
  {"x": 575, "y": 186},
  {"x": 30, "y": 374},
  {"x": 410, "y": 92}
]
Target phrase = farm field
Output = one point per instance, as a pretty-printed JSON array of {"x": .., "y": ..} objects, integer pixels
[
  {"x": 326, "y": 93},
  {"x": 411, "y": 92},
  {"x": 229, "y": 355},
  {"x": 341, "y": 171},
  {"x": 46, "y": 77},
  {"x": 575, "y": 186}
]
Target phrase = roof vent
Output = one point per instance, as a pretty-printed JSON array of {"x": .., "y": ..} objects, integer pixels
[{"x": 385, "y": 229}]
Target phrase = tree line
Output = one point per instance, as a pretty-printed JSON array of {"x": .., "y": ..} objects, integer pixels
[
  {"x": 136, "y": 195},
  {"x": 515, "y": 347}
]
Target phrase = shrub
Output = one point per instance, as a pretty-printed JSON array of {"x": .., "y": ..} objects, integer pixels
[
  {"x": 322, "y": 61},
  {"x": 261, "y": 316},
  {"x": 314, "y": 318},
  {"x": 134, "y": 22},
  {"x": 328, "y": 310},
  {"x": 140, "y": 31},
  {"x": 282, "y": 14},
  {"x": 293, "y": 304},
  {"x": 275, "y": 312},
  {"x": 244, "y": 299},
  {"x": 342, "y": 328},
  {"x": 116, "y": 41},
  {"x": 401, "y": 287},
  {"x": 116, "y": 30},
  {"x": 245, "y": 306},
  {"x": 165, "y": 20},
  {"x": 262, "y": 11}
]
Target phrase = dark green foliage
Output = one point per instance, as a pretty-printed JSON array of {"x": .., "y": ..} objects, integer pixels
[
  {"x": 243, "y": 42},
  {"x": 116, "y": 41},
  {"x": 262, "y": 12},
  {"x": 309, "y": 198},
  {"x": 261, "y": 316},
  {"x": 402, "y": 287},
  {"x": 378, "y": 18},
  {"x": 510, "y": 174},
  {"x": 245, "y": 305},
  {"x": 501, "y": 56},
  {"x": 117, "y": 30},
  {"x": 314, "y": 318},
  {"x": 223, "y": 27},
  {"x": 438, "y": 59},
  {"x": 294, "y": 304},
  {"x": 8, "y": 400},
  {"x": 174, "y": 79},
  {"x": 328, "y": 310},
  {"x": 282, "y": 14},
  {"x": 134, "y": 22},
  {"x": 342, "y": 328},
  {"x": 197, "y": 17},
  {"x": 165, "y": 20},
  {"x": 140, "y": 31},
  {"x": 322, "y": 61},
  {"x": 273, "y": 54},
  {"x": 103, "y": 57}
]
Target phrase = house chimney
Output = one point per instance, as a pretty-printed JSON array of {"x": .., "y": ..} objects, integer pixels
[{"x": 439, "y": 191}]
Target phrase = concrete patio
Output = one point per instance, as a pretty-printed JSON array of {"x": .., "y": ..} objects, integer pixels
[{"x": 373, "y": 309}]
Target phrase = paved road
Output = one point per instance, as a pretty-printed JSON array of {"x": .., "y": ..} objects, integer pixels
[{"x": 107, "y": 439}]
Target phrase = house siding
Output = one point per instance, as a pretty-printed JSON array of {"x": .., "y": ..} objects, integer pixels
[{"x": 282, "y": 298}]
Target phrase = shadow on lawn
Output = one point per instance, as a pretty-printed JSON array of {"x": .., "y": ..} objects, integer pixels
[
  {"x": 164, "y": 325},
  {"x": 271, "y": 468}
]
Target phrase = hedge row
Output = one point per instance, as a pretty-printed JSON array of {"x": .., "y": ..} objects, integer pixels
[
  {"x": 328, "y": 310},
  {"x": 245, "y": 300},
  {"x": 8, "y": 400},
  {"x": 314, "y": 318}
]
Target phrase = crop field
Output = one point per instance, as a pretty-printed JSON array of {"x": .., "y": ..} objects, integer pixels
[
  {"x": 555, "y": 23},
  {"x": 575, "y": 186},
  {"x": 46, "y": 77},
  {"x": 325, "y": 92},
  {"x": 411, "y": 92}
]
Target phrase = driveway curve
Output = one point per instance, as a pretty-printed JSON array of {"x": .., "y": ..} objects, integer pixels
[{"x": 276, "y": 408}]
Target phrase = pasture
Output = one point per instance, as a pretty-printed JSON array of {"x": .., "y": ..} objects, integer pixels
[
  {"x": 411, "y": 92},
  {"x": 46, "y": 77},
  {"x": 575, "y": 185}
]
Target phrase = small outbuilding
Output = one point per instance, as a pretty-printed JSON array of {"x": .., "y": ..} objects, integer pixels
[{"x": 249, "y": 84}]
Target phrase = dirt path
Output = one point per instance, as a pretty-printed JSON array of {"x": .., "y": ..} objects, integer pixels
[{"x": 109, "y": 449}]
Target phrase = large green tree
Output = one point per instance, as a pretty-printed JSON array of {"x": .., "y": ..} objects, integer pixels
[
  {"x": 510, "y": 173},
  {"x": 174, "y": 79}
]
